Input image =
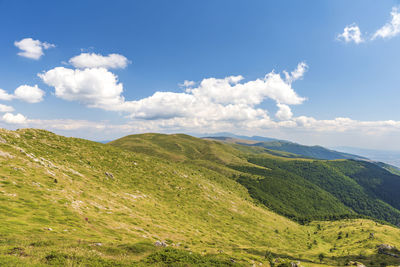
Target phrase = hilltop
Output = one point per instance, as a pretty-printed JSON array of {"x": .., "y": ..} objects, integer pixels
[
  {"x": 69, "y": 201},
  {"x": 317, "y": 152}
]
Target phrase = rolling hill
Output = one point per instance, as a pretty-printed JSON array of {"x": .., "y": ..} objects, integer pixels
[
  {"x": 317, "y": 152},
  {"x": 298, "y": 188},
  {"x": 73, "y": 202}
]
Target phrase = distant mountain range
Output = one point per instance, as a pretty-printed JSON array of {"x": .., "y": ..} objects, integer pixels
[
  {"x": 389, "y": 159},
  {"x": 235, "y": 136},
  {"x": 388, "y": 156},
  {"x": 317, "y": 152}
]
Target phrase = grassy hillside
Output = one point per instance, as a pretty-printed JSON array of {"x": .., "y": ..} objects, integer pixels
[
  {"x": 67, "y": 201},
  {"x": 301, "y": 189}
]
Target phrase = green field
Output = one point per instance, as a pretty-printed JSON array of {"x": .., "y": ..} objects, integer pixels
[{"x": 73, "y": 202}]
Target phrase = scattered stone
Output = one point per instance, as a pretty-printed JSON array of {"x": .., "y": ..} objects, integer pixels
[
  {"x": 386, "y": 247},
  {"x": 109, "y": 175},
  {"x": 2, "y": 140},
  {"x": 160, "y": 244},
  {"x": 6, "y": 155},
  {"x": 371, "y": 235},
  {"x": 388, "y": 250},
  {"x": 295, "y": 264},
  {"x": 355, "y": 263},
  {"x": 17, "y": 251},
  {"x": 75, "y": 172},
  {"x": 48, "y": 229},
  {"x": 98, "y": 244},
  {"x": 47, "y": 163}
]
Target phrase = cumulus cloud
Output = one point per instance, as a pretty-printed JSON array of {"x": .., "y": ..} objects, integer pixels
[
  {"x": 5, "y": 96},
  {"x": 391, "y": 28},
  {"x": 31, "y": 48},
  {"x": 92, "y": 60},
  {"x": 96, "y": 87},
  {"x": 284, "y": 112},
  {"x": 214, "y": 100},
  {"x": 14, "y": 119},
  {"x": 5, "y": 108},
  {"x": 351, "y": 33},
  {"x": 27, "y": 93},
  {"x": 30, "y": 94},
  {"x": 230, "y": 91}
]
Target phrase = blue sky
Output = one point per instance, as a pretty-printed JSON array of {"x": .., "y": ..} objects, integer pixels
[{"x": 341, "y": 89}]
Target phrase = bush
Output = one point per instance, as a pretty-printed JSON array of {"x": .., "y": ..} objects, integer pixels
[{"x": 176, "y": 257}]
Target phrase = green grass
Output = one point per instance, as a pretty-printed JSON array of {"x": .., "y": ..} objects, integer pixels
[
  {"x": 58, "y": 207},
  {"x": 301, "y": 189}
]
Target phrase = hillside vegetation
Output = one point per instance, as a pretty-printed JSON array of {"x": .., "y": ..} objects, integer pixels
[
  {"x": 298, "y": 188},
  {"x": 317, "y": 152},
  {"x": 73, "y": 202}
]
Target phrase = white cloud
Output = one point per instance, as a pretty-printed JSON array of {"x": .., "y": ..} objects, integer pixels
[
  {"x": 31, "y": 48},
  {"x": 5, "y": 96},
  {"x": 27, "y": 93},
  {"x": 284, "y": 112},
  {"x": 187, "y": 83},
  {"x": 391, "y": 28},
  {"x": 351, "y": 33},
  {"x": 5, "y": 108},
  {"x": 230, "y": 91},
  {"x": 214, "y": 100},
  {"x": 30, "y": 94},
  {"x": 95, "y": 87},
  {"x": 297, "y": 74},
  {"x": 92, "y": 60},
  {"x": 14, "y": 119}
]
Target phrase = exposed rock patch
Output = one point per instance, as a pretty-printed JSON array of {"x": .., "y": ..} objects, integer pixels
[
  {"x": 109, "y": 175},
  {"x": 388, "y": 250},
  {"x": 5, "y": 154},
  {"x": 160, "y": 244}
]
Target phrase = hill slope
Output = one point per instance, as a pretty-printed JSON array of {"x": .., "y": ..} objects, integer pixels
[
  {"x": 316, "y": 152},
  {"x": 301, "y": 189},
  {"x": 68, "y": 201}
]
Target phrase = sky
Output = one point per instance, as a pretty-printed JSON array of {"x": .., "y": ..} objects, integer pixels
[{"x": 313, "y": 72}]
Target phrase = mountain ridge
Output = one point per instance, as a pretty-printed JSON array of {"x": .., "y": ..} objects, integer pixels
[{"x": 70, "y": 201}]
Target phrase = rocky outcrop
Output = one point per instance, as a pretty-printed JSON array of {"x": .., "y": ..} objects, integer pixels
[
  {"x": 160, "y": 244},
  {"x": 388, "y": 250},
  {"x": 355, "y": 263},
  {"x": 109, "y": 175}
]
